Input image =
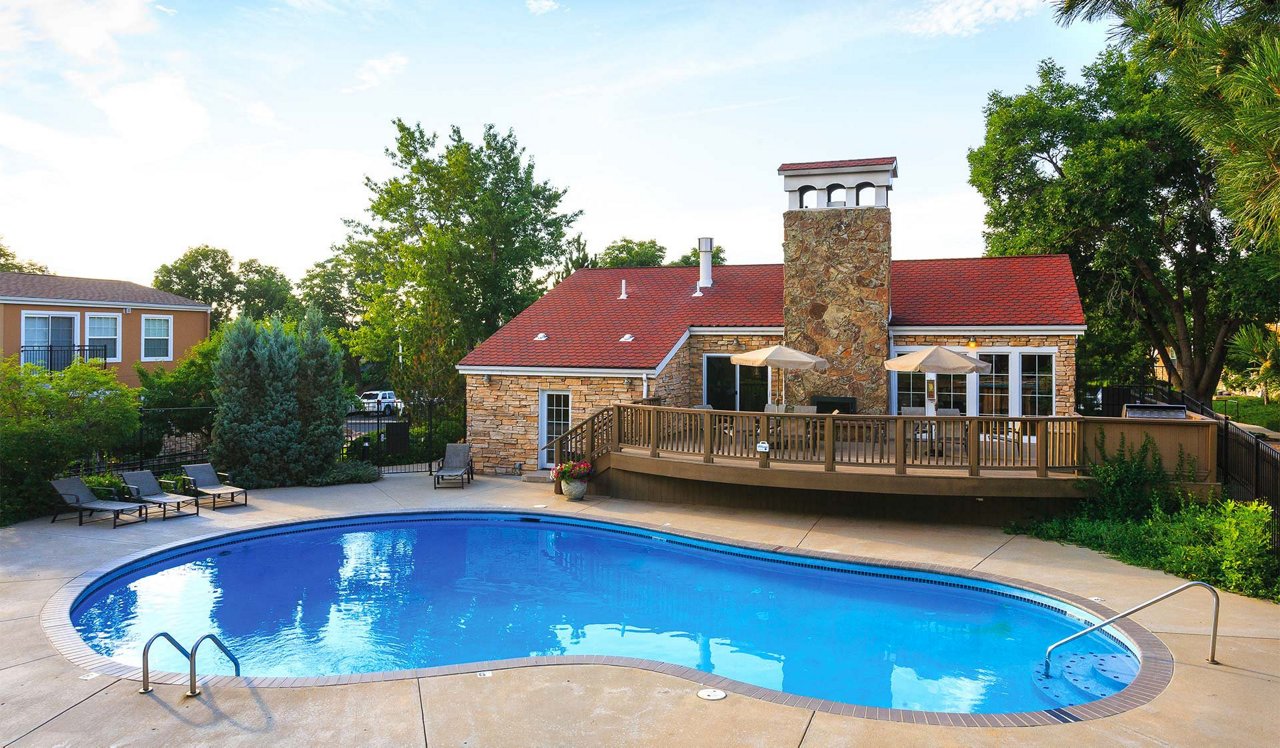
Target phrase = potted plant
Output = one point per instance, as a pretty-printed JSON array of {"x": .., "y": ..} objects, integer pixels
[{"x": 573, "y": 478}]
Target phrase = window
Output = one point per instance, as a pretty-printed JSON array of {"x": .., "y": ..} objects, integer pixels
[
  {"x": 1037, "y": 384},
  {"x": 157, "y": 338},
  {"x": 953, "y": 392},
  {"x": 49, "y": 339},
  {"x": 102, "y": 331},
  {"x": 993, "y": 388},
  {"x": 910, "y": 390}
]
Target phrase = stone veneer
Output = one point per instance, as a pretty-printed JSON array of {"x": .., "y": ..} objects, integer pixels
[
  {"x": 1064, "y": 361},
  {"x": 836, "y": 301}
]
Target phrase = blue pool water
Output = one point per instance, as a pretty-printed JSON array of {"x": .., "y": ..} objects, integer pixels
[{"x": 393, "y": 593}]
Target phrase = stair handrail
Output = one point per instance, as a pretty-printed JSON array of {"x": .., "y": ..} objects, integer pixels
[
  {"x": 1213, "y": 637},
  {"x": 193, "y": 690},
  {"x": 146, "y": 658}
]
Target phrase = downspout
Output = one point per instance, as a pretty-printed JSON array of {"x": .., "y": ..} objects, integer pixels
[{"x": 644, "y": 385}]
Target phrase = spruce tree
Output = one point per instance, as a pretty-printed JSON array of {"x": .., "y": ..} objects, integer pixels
[
  {"x": 237, "y": 397},
  {"x": 322, "y": 401},
  {"x": 277, "y": 448}
]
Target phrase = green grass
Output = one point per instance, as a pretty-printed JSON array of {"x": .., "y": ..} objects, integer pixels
[{"x": 1250, "y": 410}]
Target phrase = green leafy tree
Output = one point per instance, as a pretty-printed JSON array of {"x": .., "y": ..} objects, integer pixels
[
  {"x": 1254, "y": 356},
  {"x": 457, "y": 243},
  {"x": 1101, "y": 171},
  {"x": 264, "y": 292},
  {"x": 10, "y": 263},
  {"x": 51, "y": 419},
  {"x": 180, "y": 400},
  {"x": 329, "y": 287},
  {"x": 629, "y": 253},
  {"x": 203, "y": 273},
  {"x": 322, "y": 399},
  {"x": 693, "y": 259},
  {"x": 576, "y": 258}
]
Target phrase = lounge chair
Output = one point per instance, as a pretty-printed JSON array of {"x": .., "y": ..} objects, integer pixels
[
  {"x": 144, "y": 487},
  {"x": 456, "y": 466},
  {"x": 208, "y": 483},
  {"x": 82, "y": 500}
]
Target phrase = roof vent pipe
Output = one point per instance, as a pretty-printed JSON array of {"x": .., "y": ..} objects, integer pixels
[
  {"x": 624, "y": 290},
  {"x": 704, "y": 262}
]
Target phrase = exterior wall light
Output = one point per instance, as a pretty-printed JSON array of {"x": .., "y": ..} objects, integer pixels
[{"x": 972, "y": 344}]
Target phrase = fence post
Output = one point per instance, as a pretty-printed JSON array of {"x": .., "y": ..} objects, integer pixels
[
  {"x": 556, "y": 445},
  {"x": 653, "y": 432},
  {"x": 975, "y": 466},
  {"x": 615, "y": 430},
  {"x": 1257, "y": 466},
  {"x": 900, "y": 445},
  {"x": 706, "y": 437},
  {"x": 589, "y": 438},
  {"x": 140, "y": 427},
  {"x": 1042, "y": 448},
  {"x": 762, "y": 432},
  {"x": 829, "y": 444}
]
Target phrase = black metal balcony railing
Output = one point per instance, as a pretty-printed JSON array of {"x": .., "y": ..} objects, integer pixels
[{"x": 59, "y": 357}]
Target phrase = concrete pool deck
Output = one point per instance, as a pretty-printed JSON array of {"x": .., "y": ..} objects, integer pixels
[{"x": 47, "y": 700}]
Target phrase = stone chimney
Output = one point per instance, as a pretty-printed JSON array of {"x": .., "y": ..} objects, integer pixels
[{"x": 836, "y": 255}]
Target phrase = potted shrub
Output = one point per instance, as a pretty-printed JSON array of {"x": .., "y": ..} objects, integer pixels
[{"x": 573, "y": 478}]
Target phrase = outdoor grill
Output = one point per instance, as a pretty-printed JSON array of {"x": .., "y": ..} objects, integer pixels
[
  {"x": 831, "y": 403},
  {"x": 1154, "y": 410}
]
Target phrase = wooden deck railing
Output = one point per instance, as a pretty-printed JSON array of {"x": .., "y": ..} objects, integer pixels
[{"x": 975, "y": 444}]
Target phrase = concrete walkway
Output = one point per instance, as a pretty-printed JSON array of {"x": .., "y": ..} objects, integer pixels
[{"x": 46, "y": 700}]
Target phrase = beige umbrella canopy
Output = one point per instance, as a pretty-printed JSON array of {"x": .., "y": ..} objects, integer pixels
[
  {"x": 937, "y": 360},
  {"x": 781, "y": 357}
]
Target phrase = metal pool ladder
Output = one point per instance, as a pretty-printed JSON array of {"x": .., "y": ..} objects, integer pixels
[
  {"x": 1213, "y": 637},
  {"x": 193, "y": 689}
]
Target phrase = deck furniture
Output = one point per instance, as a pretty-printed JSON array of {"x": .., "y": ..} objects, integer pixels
[
  {"x": 143, "y": 486},
  {"x": 208, "y": 483},
  {"x": 456, "y": 466},
  {"x": 82, "y": 500}
]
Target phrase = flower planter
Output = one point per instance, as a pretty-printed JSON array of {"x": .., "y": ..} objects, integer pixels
[{"x": 574, "y": 490}]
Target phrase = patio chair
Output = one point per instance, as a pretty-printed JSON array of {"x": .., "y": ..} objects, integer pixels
[
  {"x": 82, "y": 500},
  {"x": 456, "y": 466},
  {"x": 208, "y": 483},
  {"x": 143, "y": 486}
]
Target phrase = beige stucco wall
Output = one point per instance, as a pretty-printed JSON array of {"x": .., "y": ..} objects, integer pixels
[
  {"x": 189, "y": 328},
  {"x": 1064, "y": 361}
]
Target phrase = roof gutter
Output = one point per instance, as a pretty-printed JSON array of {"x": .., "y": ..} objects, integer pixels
[{"x": 105, "y": 304}]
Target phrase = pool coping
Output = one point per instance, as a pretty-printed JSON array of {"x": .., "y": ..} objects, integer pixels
[{"x": 1154, "y": 674}]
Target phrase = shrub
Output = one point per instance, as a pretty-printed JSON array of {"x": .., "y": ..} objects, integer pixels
[
  {"x": 1127, "y": 484},
  {"x": 48, "y": 419},
  {"x": 346, "y": 471}
]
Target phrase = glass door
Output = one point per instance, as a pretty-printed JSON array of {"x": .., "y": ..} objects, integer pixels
[
  {"x": 553, "y": 421},
  {"x": 49, "y": 340},
  {"x": 721, "y": 386},
  {"x": 753, "y": 387}
]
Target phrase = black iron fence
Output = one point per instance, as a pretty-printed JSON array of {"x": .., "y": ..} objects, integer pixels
[
  {"x": 166, "y": 439},
  {"x": 59, "y": 357},
  {"x": 408, "y": 441}
]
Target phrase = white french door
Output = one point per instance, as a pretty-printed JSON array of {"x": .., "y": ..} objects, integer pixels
[{"x": 553, "y": 421}]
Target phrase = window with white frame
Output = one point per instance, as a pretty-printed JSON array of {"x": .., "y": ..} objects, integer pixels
[
  {"x": 157, "y": 338},
  {"x": 49, "y": 338},
  {"x": 1037, "y": 384},
  {"x": 993, "y": 387},
  {"x": 910, "y": 390},
  {"x": 103, "y": 331},
  {"x": 953, "y": 393}
]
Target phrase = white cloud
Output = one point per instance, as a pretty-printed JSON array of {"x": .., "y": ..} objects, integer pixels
[
  {"x": 541, "y": 7},
  {"x": 85, "y": 30},
  {"x": 375, "y": 72},
  {"x": 166, "y": 9},
  {"x": 966, "y": 17},
  {"x": 259, "y": 113}
]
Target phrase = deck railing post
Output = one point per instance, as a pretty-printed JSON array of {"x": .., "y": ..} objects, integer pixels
[
  {"x": 589, "y": 438},
  {"x": 556, "y": 449},
  {"x": 974, "y": 444},
  {"x": 762, "y": 434},
  {"x": 1042, "y": 448},
  {"x": 900, "y": 445},
  {"x": 615, "y": 430},
  {"x": 829, "y": 444},
  {"x": 653, "y": 431},
  {"x": 707, "y": 441}
]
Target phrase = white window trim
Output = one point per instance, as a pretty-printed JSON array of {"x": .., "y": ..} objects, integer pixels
[
  {"x": 1015, "y": 374},
  {"x": 22, "y": 333},
  {"x": 119, "y": 318},
  {"x": 737, "y": 380},
  {"x": 142, "y": 337},
  {"x": 543, "y": 461}
]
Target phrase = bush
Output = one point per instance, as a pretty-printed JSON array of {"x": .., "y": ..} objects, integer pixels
[
  {"x": 347, "y": 471},
  {"x": 1127, "y": 484},
  {"x": 49, "y": 419}
]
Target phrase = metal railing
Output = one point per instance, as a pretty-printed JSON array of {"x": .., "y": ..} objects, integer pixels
[
  {"x": 192, "y": 688},
  {"x": 59, "y": 357},
  {"x": 1213, "y": 636}
]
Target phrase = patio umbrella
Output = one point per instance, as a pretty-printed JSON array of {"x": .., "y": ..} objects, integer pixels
[
  {"x": 937, "y": 360},
  {"x": 782, "y": 358}
]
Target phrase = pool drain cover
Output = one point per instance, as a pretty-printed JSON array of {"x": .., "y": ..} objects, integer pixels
[{"x": 711, "y": 694}]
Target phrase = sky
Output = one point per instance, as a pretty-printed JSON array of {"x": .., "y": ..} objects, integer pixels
[{"x": 131, "y": 130}]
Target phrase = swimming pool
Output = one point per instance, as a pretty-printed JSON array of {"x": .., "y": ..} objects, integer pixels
[{"x": 409, "y": 591}]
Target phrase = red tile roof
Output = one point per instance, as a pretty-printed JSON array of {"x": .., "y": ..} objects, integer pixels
[
  {"x": 69, "y": 288},
  {"x": 584, "y": 319},
  {"x": 1030, "y": 290},
  {"x": 852, "y": 163}
]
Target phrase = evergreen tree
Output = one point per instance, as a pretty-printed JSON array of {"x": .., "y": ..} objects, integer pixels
[
  {"x": 322, "y": 400},
  {"x": 237, "y": 395}
]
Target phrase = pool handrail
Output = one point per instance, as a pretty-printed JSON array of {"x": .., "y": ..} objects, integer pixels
[
  {"x": 1213, "y": 637},
  {"x": 194, "y": 690},
  {"x": 146, "y": 658}
]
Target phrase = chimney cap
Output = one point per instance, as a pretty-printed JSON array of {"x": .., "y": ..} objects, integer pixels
[{"x": 849, "y": 165}]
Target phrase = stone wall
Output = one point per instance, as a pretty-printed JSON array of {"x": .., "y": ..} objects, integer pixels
[
  {"x": 502, "y": 415},
  {"x": 1064, "y": 361},
  {"x": 699, "y": 345},
  {"x": 836, "y": 301}
]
